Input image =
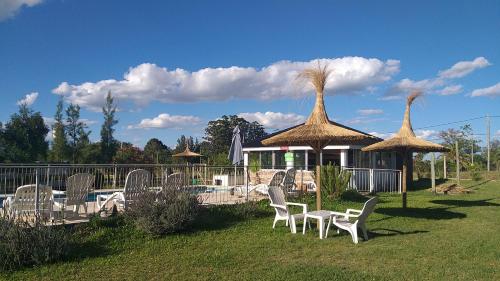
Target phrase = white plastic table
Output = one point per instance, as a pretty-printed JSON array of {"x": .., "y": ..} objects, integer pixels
[{"x": 322, "y": 216}]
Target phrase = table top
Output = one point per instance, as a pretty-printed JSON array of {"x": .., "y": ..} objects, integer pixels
[{"x": 320, "y": 213}]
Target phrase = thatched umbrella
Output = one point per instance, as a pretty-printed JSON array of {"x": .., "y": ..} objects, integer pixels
[
  {"x": 187, "y": 153},
  {"x": 405, "y": 142},
  {"x": 318, "y": 131}
]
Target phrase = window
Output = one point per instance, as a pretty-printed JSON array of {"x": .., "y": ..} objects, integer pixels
[
  {"x": 279, "y": 158},
  {"x": 299, "y": 159},
  {"x": 266, "y": 160}
]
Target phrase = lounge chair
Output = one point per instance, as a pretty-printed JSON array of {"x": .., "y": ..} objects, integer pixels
[
  {"x": 276, "y": 181},
  {"x": 136, "y": 184},
  {"x": 277, "y": 197},
  {"x": 174, "y": 181},
  {"x": 341, "y": 220},
  {"x": 78, "y": 188},
  {"x": 24, "y": 200}
]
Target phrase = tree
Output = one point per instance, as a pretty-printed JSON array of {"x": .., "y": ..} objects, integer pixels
[
  {"x": 108, "y": 143},
  {"x": 24, "y": 136},
  {"x": 129, "y": 154},
  {"x": 3, "y": 145},
  {"x": 157, "y": 151},
  {"x": 219, "y": 132},
  {"x": 78, "y": 138},
  {"x": 59, "y": 152},
  {"x": 464, "y": 137}
]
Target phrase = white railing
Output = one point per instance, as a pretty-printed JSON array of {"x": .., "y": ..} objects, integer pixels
[{"x": 374, "y": 180}]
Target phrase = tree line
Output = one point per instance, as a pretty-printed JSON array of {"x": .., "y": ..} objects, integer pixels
[{"x": 23, "y": 139}]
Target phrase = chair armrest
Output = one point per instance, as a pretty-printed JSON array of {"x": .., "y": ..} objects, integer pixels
[
  {"x": 278, "y": 207},
  {"x": 350, "y": 211},
  {"x": 304, "y": 206},
  {"x": 346, "y": 215}
]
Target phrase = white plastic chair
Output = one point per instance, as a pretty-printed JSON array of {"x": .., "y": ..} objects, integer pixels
[
  {"x": 288, "y": 183},
  {"x": 136, "y": 184},
  {"x": 276, "y": 180},
  {"x": 341, "y": 220},
  {"x": 174, "y": 181},
  {"x": 24, "y": 201},
  {"x": 277, "y": 197},
  {"x": 78, "y": 188}
]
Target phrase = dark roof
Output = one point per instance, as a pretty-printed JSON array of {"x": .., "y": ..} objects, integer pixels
[{"x": 258, "y": 143}]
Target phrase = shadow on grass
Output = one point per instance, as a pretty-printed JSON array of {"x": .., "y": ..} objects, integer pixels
[
  {"x": 224, "y": 216},
  {"x": 424, "y": 183},
  {"x": 478, "y": 184},
  {"x": 466, "y": 203},
  {"x": 383, "y": 232},
  {"x": 421, "y": 213}
]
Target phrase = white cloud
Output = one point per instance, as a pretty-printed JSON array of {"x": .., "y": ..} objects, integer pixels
[
  {"x": 382, "y": 135},
  {"x": 29, "y": 99},
  {"x": 363, "y": 120},
  {"x": 450, "y": 90},
  {"x": 165, "y": 120},
  {"x": 462, "y": 68},
  {"x": 148, "y": 82},
  {"x": 370, "y": 111},
  {"x": 426, "y": 134},
  {"x": 9, "y": 8},
  {"x": 458, "y": 70},
  {"x": 274, "y": 120},
  {"x": 493, "y": 91}
]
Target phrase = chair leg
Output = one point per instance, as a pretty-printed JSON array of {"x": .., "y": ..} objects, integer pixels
[
  {"x": 328, "y": 227},
  {"x": 304, "y": 226},
  {"x": 365, "y": 233},
  {"x": 354, "y": 234},
  {"x": 321, "y": 228},
  {"x": 275, "y": 220},
  {"x": 292, "y": 225}
]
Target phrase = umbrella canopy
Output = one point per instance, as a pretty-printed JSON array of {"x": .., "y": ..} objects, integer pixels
[
  {"x": 236, "y": 150},
  {"x": 187, "y": 153},
  {"x": 406, "y": 142},
  {"x": 318, "y": 131}
]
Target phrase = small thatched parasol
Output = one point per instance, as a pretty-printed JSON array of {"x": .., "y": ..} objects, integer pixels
[
  {"x": 317, "y": 131},
  {"x": 405, "y": 142},
  {"x": 187, "y": 153}
]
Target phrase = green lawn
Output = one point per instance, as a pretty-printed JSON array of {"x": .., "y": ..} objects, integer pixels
[{"x": 437, "y": 238}]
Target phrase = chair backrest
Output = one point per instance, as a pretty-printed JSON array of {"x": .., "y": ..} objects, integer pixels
[
  {"x": 289, "y": 180},
  {"x": 277, "y": 179},
  {"x": 136, "y": 184},
  {"x": 277, "y": 197},
  {"x": 174, "y": 181},
  {"x": 25, "y": 197},
  {"x": 78, "y": 187},
  {"x": 367, "y": 209}
]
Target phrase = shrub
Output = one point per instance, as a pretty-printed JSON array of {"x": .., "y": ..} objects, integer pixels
[
  {"x": 334, "y": 181},
  {"x": 162, "y": 213},
  {"x": 475, "y": 173},
  {"x": 22, "y": 244}
]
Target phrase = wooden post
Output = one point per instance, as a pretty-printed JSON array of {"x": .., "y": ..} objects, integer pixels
[
  {"x": 458, "y": 162},
  {"x": 433, "y": 172},
  {"x": 405, "y": 164},
  {"x": 318, "y": 179},
  {"x": 444, "y": 167},
  {"x": 488, "y": 145}
]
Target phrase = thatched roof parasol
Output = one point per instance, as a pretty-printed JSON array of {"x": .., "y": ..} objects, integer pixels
[
  {"x": 406, "y": 142},
  {"x": 317, "y": 131},
  {"x": 187, "y": 153}
]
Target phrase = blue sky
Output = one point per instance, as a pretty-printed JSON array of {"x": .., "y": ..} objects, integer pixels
[{"x": 173, "y": 66}]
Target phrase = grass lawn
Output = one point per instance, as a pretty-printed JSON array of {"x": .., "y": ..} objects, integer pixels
[{"x": 453, "y": 237}]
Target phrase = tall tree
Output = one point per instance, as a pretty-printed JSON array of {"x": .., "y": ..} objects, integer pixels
[
  {"x": 24, "y": 136},
  {"x": 129, "y": 154},
  {"x": 59, "y": 152},
  {"x": 78, "y": 137},
  {"x": 108, "y": 143},
  {"x": 466, "y": 142},
  {"x": 157, "y": 151},
  {"x": 219, "y": 132}
]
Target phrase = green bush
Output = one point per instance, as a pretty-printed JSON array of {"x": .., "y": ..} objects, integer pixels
[
  {"x": 475, "y": 172},
  {"x": 334, "y": 181},
  {"x": 22, "y": 244},
  {"x": 162, "y": 213}
]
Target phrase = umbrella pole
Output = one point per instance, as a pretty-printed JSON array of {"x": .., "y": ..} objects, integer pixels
[
  {"x": 405, "y": 170},
  {"x": 318, "y": 179}
]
